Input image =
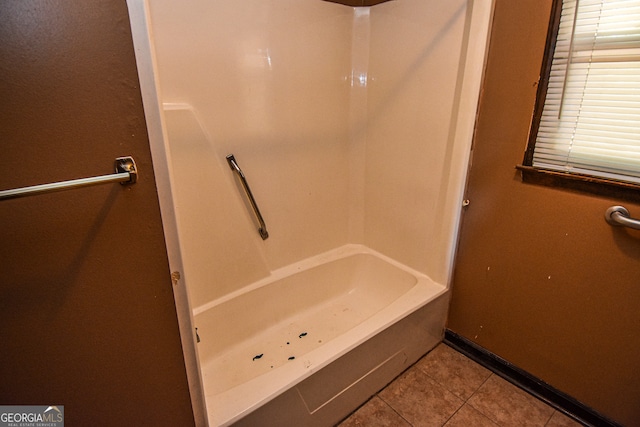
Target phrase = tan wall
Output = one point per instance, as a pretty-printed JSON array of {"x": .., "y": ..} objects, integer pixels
[
  {"x": 87, "y": 318},
  {"x": 541, "y": 279}
]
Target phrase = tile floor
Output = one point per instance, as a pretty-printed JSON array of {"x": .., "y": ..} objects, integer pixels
[{"x": 445, "y": 388}]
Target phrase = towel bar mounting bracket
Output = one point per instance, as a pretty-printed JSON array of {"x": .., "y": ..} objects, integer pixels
[{"x": 127, "y": 164}]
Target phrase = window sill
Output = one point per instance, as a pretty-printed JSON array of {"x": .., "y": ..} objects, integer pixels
[{"x": 581, "y": 183}]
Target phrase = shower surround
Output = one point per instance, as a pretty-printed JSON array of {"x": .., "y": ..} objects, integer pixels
[{"x": 353, "y": 127}]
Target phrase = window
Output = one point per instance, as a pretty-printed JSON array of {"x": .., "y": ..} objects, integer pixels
[{"x": 586, "y": 125}]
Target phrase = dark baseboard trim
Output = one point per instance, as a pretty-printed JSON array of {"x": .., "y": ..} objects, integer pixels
[{"x": 532, "y": 385}]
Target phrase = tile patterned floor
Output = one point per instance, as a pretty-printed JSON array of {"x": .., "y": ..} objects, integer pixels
[{"x": 445, "y": 388}]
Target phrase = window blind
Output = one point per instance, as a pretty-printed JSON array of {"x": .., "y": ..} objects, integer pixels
[{"x": 590, "y": 122}]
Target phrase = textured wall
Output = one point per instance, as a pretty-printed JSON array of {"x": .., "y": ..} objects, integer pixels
[
  {"x": 541, "y": 279},
  {"x": 87, "y": 318}
]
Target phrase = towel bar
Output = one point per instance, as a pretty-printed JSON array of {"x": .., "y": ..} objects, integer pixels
[
  {"x": 619, "y": 215},
  {"x": 126, "y": 173}
]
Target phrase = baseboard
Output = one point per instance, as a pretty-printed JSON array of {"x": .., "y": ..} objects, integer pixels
[{"x": 534, "y": 386}]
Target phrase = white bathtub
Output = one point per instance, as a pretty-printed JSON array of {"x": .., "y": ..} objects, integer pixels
[{"x": 267, "y": 338}]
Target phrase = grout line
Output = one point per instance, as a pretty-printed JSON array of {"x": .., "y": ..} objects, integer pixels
[
  {"x": 483, "y": 383},
  {"x": 393, "y": 409},
  {"x": 488, "y": 416},
  {"x": 464, "y": 401},
  {"x": 453, "y": 415},
  {"x": 445, "y": 385},
  {"x": 550, "y": 416}
]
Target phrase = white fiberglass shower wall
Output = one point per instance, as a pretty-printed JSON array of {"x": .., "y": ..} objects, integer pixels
[
  {"x": 343, "y": 119},
  {"x": 352, "y": 126}
]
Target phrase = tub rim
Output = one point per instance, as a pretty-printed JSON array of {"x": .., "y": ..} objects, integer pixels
[{"x": 340, "y": 252}]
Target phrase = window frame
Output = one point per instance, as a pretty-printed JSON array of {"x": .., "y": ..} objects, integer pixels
[{"x": 564, "y": 180}]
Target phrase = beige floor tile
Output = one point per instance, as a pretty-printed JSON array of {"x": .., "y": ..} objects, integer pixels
[
  {"x": 467, "y": 416},
  {"x": 558, "y": 419},
  {"x": 507, "y": 405},
  {"x": 375, "y": 413},
  {"x": 420, "y": 400},
  {"x": 456, "y": 372}
]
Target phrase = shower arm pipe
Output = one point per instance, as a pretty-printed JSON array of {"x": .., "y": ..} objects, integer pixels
[
  {"x": 619, "y": 215},
  {"x": 234, "y": 167}
]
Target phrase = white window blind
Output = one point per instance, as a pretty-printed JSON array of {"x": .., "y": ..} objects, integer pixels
[{"x": 590, "y": 122}]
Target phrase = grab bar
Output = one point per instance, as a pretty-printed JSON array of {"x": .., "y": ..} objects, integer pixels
[
  {"x": 234, "y": 167},
  {"x": 619, "y": 215},
  {"x": 126, "y": 173}
]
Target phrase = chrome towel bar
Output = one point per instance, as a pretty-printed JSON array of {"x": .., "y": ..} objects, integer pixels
[
  {"x": 126, "y": 173},
  {"x": 234, "y": 167},
  {"x": 619, "y": 215}
]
